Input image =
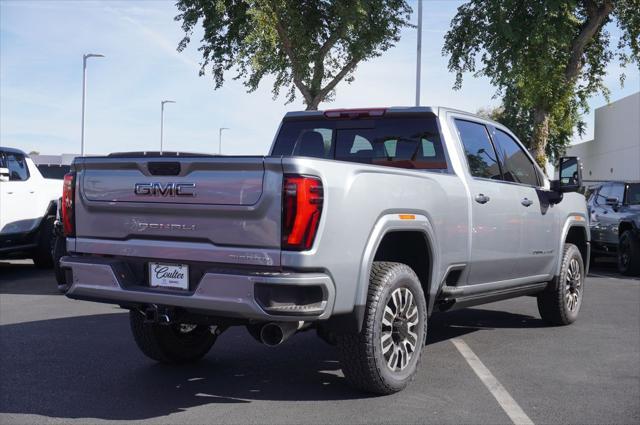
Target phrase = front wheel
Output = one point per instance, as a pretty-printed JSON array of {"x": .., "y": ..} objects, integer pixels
[
  {"x": 383, "y": 357},
  {"x": 41, "y": 255},
  {"x": 561, "y": 300},
  {"x": 629, "y": 254},
  {"x": 175, "y": 343}
]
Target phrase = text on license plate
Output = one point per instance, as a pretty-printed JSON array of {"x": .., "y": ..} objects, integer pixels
[{"x": 169, "y": 275}]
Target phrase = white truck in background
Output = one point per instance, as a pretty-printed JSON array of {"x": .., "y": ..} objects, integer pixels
[{"x": 28, "y": 204}]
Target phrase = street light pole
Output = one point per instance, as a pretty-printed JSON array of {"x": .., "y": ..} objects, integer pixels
[
  {"x": 419, "y": 53},
  {"x": 162, "y": 120},
  {"x": 220, "y": 139},
  {"x": 84, "y": 93}
]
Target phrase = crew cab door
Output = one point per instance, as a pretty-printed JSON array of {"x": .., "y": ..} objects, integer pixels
[
  {"x": 539, "y": 225},
  {"x": 496, "y": 234},
  {"x": 16, "y": 196}
]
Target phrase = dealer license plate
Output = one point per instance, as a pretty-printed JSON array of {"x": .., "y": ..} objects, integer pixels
[{"x": 169, "y": 275}]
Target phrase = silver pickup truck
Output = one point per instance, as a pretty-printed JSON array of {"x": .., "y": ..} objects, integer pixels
[{"x": 359, "y": 223}]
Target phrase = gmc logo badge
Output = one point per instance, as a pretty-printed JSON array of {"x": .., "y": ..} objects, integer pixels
[{"x": 166, "y": 189}]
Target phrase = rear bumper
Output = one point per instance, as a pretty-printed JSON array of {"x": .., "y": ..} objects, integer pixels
[{"x": 238, "y": 295}]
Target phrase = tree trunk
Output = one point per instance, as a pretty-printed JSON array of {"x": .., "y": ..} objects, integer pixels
[
  {"x": 313, "y": 105},
  {"x": 540, "y": 135}
]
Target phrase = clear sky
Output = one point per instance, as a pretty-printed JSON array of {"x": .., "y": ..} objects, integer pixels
[{"x": 41, "y": 47}]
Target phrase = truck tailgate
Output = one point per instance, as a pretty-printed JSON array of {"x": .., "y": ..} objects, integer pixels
[{"x": 210, "y": 203}]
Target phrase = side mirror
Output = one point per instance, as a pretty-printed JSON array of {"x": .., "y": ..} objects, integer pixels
[
  {"x": 4, "y": 174},
  {"x": 569, "y": 175},
  {"x": 612, "y": 201}
]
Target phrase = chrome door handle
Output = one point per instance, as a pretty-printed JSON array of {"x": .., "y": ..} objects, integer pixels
[
  {"x": 482, "y": 198},
  {"x": 526, "y": 202}
]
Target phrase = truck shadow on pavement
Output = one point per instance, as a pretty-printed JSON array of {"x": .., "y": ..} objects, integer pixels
[{"x": 89, "y": 367}]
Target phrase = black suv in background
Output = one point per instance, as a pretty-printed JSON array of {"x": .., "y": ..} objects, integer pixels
[{"x": 614, "y": 211}]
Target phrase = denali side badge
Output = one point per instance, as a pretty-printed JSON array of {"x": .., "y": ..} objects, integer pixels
[{"x": 167, "y": 189}]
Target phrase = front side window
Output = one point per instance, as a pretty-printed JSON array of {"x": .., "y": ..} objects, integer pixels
[
  {"x": 633, "y": 194},
  {"x": 617, "y": 191},
  {"x": 477, "y": 146},
  {"x": 17, "y": 166},
  {"x": 516, "y": 165}
]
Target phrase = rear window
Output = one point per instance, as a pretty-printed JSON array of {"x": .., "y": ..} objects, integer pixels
[{"x": 403, "y": 142}]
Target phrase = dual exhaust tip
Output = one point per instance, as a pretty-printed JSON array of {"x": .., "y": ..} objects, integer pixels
[
  {"x": 275, "y": 333},
  {"x": 271, "y": 334}
]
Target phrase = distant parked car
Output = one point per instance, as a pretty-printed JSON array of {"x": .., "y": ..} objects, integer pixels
[
  {"x": 27, "y": 209},
  {"x": 614, "y": 212}
]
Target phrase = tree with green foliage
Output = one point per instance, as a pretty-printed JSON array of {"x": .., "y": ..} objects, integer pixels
[
  {"x": 546, "y": 58},
  {"x": 308, "y": 45}
]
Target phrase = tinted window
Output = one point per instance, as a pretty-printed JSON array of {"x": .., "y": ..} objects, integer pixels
[
  {"x": 480, "y": 153},
  {"x": 633, "y": 194},
  {"x": 516, "y": 165},
  {"x": 17, "y": 166},
  {"x": 617, "y": 191},
  {"x": 391, "y": 141},
  {"x": 603, "y": 194}
]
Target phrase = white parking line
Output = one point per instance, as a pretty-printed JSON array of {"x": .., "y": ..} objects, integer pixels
[{"x": 508, "y": 404}]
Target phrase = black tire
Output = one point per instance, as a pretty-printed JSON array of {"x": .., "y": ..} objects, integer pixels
[
  {"x": 560, "y": 302},
  {"x": 41, "y": 255},
  {"x": 362, "y": 355},
  {"x": 629, "y": 254},
  {"x": 59, "y": 251},
  {"x": 167, "y": 344}
]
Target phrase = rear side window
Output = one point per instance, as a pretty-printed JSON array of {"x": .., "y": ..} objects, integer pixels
[
  {"x": 17, "y": 166},
  {"x": 403, "y": 142},
  {"x": 516, "y": 165},
  {"x": 481, "y": 156}
]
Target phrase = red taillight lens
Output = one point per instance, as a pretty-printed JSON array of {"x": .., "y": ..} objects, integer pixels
[
  {"x": 301, "y": 210},
  {"x": 67, "y": 210}
]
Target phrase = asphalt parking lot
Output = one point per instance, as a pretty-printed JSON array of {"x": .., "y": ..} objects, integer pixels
[{"x": 64, "y": 361}]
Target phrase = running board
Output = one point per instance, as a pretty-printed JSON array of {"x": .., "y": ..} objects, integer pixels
[{"x": 452, "y": 297}]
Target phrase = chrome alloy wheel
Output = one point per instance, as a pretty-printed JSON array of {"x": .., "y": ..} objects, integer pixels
[
  {"x": 573, "y": 285},
  {"x": 399, "y": 337}
]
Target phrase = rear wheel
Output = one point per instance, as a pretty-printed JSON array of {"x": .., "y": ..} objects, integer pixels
[
  {"x": 383, "y": 357},
  {"x": 561, "y": 300},
  {"x": 629, "y": 254},
  {"x": 175, "y": 343}
]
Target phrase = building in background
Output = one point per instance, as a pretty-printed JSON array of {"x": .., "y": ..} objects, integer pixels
[
  {"x": 63, "y": 159},
  {"x": 614, "y": 152}
]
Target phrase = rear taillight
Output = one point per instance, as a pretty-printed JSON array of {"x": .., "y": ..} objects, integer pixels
[
  {"x": 301, "y": 209},
  {"x": 68, "y": 200}
]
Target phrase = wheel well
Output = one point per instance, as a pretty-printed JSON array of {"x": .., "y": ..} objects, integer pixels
[
  {"x": 410, "y": 248},
  {"x": 624, "y": 226},
  {"x": 577, "y": 235}
]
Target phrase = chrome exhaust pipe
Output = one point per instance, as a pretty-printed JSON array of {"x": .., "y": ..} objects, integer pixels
[{"x": 273, "y": 334}]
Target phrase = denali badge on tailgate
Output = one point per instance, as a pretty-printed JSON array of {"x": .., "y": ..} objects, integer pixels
[{"x": 167, "y": 189}]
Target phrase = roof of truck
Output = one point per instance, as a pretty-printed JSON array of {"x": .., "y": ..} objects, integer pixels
[
  {"x": 392, "y": 109},
  {"x": 12, "y": 150},
  {"x": 435, "y": 110}
]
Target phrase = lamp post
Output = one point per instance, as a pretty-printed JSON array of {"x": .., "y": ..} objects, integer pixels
[
  {"x": 162, "y": 120},
  {"x": 84, "y": 93},
  {"x": 419, "y": 53},
  {"x": 220, "y": 139}
]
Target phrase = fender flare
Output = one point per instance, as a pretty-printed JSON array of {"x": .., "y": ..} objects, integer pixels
[
  {"x": 391, "y": 222},
  {"x": 573, "y": 220}
]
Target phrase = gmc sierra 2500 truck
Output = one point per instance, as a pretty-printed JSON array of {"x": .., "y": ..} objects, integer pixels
[{"x": 359, "y": 223}]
